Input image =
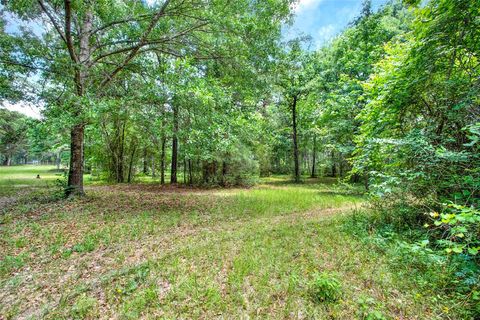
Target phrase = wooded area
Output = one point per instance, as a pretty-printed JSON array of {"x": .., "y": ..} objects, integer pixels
[{"x": 206, "y": 95}]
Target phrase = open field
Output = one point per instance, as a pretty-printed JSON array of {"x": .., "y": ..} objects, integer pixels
[
  {"x": 25, "y": 175},
  {"x": 146, "y": 251}
]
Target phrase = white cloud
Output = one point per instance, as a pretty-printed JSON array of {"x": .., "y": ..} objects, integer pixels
[
  {"x": 325, "y": 33},
  {"x": 23, "y": 107},
  {"x": 304, "y": 5}
]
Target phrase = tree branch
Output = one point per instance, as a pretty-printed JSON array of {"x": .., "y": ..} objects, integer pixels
[
  {"x": 142, "y": 41},
  {"x": 52, "y": 20},
  {"x": 148, "y": 42},
  {"x": 116, "y": 22},
  {"x": 68, "y": 30}
]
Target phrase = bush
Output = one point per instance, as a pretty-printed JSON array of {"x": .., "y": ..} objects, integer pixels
[
  {"x": 325, "y": 287},
  {"x": 460, "y": 228}
]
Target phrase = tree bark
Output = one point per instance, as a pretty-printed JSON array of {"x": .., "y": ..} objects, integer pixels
[
  {"x": 75, "y": 173},
  {"x": 295, "y": 140},
  {"x": 173, "y": 173}
]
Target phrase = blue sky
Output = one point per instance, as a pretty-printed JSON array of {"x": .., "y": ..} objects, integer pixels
[{"x": 324, "y": 19}]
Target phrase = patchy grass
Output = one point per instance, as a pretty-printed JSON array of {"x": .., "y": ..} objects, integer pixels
[{"x": 146, "y": 251}]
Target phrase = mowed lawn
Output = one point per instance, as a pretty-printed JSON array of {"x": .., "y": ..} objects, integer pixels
[
  {"x": 146, "y": 251},
  {"x": 16, "y": 178}
]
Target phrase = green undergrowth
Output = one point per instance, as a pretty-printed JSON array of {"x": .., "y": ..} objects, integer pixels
[
  {"x": 450, "y": 280},
  {"x": 278, "y": 250}
]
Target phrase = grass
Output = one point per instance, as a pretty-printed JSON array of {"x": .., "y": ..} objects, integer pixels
[
  {"x": 146, "y": 251},
  {"x": 26, "y": 176}
]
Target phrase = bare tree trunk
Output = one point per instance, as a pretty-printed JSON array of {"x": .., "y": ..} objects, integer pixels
[
  {"x": 295, "y": 140},
  {"x": 173, "y": 173}
]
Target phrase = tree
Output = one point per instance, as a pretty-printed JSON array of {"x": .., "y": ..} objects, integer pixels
[
  {"x": 100, "y": 39},
  {"x": 417, "y": 126},
  {"x": 294, "y": 81},
  {"x": 13, "y": 135}
]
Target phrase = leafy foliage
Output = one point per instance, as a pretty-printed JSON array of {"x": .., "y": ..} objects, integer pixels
[{"x": 325, "y": 287}]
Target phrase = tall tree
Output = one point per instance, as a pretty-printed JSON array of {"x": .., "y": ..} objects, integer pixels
[
  {"x": 294, "y": 81},
  {"x": 100, "y": 39}
]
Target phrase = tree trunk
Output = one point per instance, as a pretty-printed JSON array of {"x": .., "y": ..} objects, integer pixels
[
  {"x": 295, "y": 142},
  {"x": 334, "y": 168},
  {"x": 75, "y": 173},
  {"x": 145, "y": 161},
  {"x": 314, "y": 156},
  {"x": 130, "y": 166},
  {"x": 190, "y": 177},
  {"x": 121, "y": 157},
  {"x": 184, "y": 171},
  {"x": 173, "y": 173},
  {"x": 162, "y": 161}
]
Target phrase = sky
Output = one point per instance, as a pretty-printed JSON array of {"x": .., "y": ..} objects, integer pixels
[
  {"x": 321, "y": 19},
  {"x": 324, "y": 19}
]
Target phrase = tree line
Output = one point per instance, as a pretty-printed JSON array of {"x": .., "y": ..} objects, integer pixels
[{"x": 212, "y": 94}]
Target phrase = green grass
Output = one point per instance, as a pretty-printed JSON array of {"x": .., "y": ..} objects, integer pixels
[
  {"x": 278, "y": 250},
  {"x": 25, "y": 175},
  {"x": 21, "y": 178}
]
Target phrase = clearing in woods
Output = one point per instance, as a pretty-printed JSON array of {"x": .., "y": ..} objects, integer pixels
[{"x": 148, "y": 251}]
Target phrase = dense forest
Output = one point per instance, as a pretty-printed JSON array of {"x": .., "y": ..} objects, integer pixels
[{"x": 210, "y": 94}]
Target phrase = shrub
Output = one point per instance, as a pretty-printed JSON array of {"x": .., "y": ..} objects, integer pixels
[
  {"x": 460, "y": 226},
  {"x": 325, "y": 287}
]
